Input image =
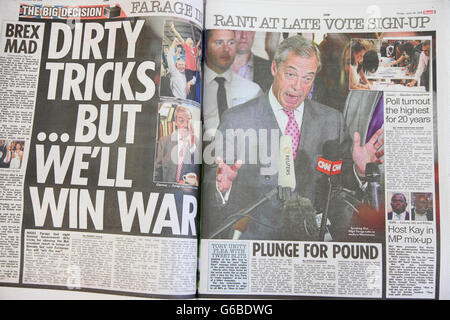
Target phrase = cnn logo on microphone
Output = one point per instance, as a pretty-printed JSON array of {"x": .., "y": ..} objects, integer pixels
[{"x": 329, "y": 167}]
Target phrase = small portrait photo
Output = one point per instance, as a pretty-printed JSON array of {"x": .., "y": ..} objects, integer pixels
[
  {"x": 181, "y": 61},
  {"x": 422, "y": 206},
  {"x": 11, "y": 153},
  {"x": 178, "y": 151},
  {"x": 398, "y": 208}
]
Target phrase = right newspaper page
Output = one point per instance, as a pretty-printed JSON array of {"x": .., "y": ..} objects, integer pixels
[{"x": 321, "y": 161}]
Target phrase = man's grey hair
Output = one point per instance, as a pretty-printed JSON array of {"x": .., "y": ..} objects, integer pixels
[
  {"x": 181, "y": 108},
  {"x": 300, "y": 46}
]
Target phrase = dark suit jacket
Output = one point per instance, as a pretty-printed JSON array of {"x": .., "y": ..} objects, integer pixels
[
  {"x": 262, "y": 74},
  {"x": 320, "y": 124},
  {"x": 165, "y": 167}
]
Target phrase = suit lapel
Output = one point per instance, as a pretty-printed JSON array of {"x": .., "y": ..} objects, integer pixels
[
  {"x": 309, "y": 138},
  {"x": 266, "y": 115},
  {"x": 310, "y": 123}
]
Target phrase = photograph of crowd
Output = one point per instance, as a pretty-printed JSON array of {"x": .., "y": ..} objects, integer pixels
[
  {"x": 391, "y": 64},
  {"x": 181, "y": 61}
]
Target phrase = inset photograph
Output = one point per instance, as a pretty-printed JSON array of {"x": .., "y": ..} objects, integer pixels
[
  {"x": 398, "y": 206},
  {"x": 11, "y": 153},
  {"x": 422, "y": 206},
  {"x": 390, "y": 64},
  {"x": 181, "y": 61},
  {"x": 178, "y": 152}
]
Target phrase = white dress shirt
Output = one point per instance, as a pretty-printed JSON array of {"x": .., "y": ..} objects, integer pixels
[
  {"x": 246, "y": 71},
  {"x": 421, "y": 66},
  {"x": 420, "y": 216},
  {"x": 177, "y": 79},
  {"x": 399, "y": 216},
  {"x": 238, "y": 89},
  {"x": 281, "y": 116}
]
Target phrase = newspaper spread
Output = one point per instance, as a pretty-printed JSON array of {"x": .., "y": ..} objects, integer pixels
[
  {"x": 318, "y": 125},
  {"x": 92, "y": 110},
  {"x": 322, "y": 180}
]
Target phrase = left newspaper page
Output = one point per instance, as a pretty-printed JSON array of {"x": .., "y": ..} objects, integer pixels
[{"x": 100, "y": 146}]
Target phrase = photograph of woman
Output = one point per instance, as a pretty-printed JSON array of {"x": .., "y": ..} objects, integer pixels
[
  {"x": 357, "y": 78},
  {"x": 16, "y": 155}
]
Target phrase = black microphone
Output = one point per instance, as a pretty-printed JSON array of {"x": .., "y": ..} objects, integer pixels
[
  {"x": 331, "y": 165},
  {"x": 373, "y": 188},
  {"x": 300, "y": 220}
]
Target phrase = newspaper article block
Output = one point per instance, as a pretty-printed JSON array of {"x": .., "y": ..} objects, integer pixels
[{"x": 272, "y": 268}]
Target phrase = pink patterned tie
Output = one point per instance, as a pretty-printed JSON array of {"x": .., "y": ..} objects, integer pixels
[{"x": 293, "y": 131}]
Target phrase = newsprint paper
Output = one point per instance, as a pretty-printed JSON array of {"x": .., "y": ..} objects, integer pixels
[
  {"x": 224, "y": 149},
  {"x": 324, "y": 182},
  {"x": 91, "y": 199}
]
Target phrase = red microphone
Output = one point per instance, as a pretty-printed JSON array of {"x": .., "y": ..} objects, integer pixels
[{"x": 329, "y": 167}]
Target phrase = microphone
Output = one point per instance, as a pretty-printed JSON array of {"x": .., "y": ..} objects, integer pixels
[
  {"x": 286, "y": 182},
  {"x": 331, "y": 165},
  {"x": 286, "y": 173},
  {"x": 373, "y": 178},
  {"x": 286, "y": 186},
  {"x": 240, "y": 227},
  {"x": 300, "y": 220}
]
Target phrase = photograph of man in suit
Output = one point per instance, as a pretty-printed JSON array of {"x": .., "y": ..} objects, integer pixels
[
  {"x": 223, "y": 89},
  {"x": 284, "y": 110},
  {"x": 178, "y": 154},
  {"x": 248, "y": 65},
  {"x": 398, "y": 205}
]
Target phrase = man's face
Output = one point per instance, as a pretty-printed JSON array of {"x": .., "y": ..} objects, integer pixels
[
  {"x": 244, "y": 41},
  {"x": 221, "y": 50},
  {"x": 398, "y": 204},
  {"x": 181, "y": 66},
  {"x": 182, "y": 121},
  {"x": 293, "y": 79},
  {"x": 421, "y": 204},
  {"x": 426, "y": 49}
]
